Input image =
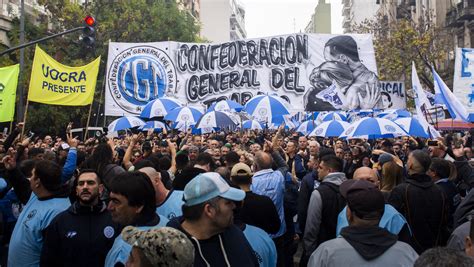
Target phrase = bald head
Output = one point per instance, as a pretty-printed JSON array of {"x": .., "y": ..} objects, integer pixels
[
  {"x": 366, "y": 173},
  {"x": 150, "y": 172},
  {"x": 263, "y": 161},
  {"x": 155, "y": 178}
]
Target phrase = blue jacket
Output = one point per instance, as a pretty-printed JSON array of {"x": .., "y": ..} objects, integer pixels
[
  {"x": 300, "y": 169},
  {"x": 391, "y": 220},
  {"x": 121, "y": 250},
  {"x": 27, "y": 238},
  {"x": 70, "y": 165},
  {"x": 271, "y": 183}
]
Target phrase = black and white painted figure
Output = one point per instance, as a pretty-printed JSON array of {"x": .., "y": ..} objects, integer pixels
[{"x": 363, "y": 91}]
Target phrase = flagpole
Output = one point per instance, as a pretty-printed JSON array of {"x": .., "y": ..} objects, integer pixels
[
  {"x": 24, "y": 119},
  {"x": 10, "y": 129},
  {"x": 88, "y": 120}
]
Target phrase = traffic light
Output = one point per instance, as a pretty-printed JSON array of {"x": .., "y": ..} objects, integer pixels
[{"x": 89, "y": 31}]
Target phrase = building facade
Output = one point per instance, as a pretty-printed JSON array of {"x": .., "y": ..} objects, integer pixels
[
  {"x": 321, "y": 18},
  {"x": 222, "y": 20},
  {"x": 460, "y": 21},
  {"x": 357, "y": 11},
  {"x": 416, "y": 10},
  {"x": 192, "y": 6},
  {"x": 10, "y": 9}
]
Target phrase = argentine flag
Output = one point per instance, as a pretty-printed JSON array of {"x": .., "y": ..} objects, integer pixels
[{"x": 445, "y": 97}]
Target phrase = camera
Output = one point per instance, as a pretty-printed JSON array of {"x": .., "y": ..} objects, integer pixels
[
  {"x": 433, "y": 143},
  {"x": 164, "y": 143}
]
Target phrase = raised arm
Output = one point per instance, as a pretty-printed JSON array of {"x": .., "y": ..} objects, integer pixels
[
  {"x": 128, "y": 153},
  {"x": 20, "y": 184},
  {"x": 71, "y": 160},
  {"x": 172, "y": 147}
]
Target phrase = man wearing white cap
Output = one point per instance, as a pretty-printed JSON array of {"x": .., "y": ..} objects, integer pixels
[{"x": 208, "y": 222}]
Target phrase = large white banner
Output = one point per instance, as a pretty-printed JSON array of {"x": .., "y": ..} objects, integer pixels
[
  {"x": 296, "y": 67},
  {"x": 463, "y": 84}
]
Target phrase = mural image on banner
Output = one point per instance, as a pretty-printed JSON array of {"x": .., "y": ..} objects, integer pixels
[
  {"x": 392, "y": 95},
  {"x": 463, "y": 84},
  {"x": 296, "y": 67}
]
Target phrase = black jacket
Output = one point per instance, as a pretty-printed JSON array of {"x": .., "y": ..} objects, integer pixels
[
  {"x": 306, "y": 189},
  {"x": 465, "y": 175},
  {"x": 260, "y": 211},
  {"x": 425, "y": 207},
  {"x": 465, "y": 210},
  {"x": 79, "y": 236},
  {"x": 234, "y": 245}
]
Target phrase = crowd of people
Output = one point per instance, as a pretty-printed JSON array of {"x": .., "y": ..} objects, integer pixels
[{"x": 245, "y": 198}]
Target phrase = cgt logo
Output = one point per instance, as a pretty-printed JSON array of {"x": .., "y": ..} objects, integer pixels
[
  {"x": 139, "y": 75},
  {"x": 2, "y": 87}
]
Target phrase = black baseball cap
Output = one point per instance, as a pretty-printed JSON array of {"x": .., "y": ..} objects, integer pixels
[{"x": 363, "y": 198}]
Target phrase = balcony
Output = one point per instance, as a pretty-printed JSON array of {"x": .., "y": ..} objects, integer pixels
[
  {"x": 463, "y": 11},
  {"x": 452, "y": 19},
  {"x": 346, "y": 9},
  {"x": 466, "y": 10},
  {"x": 403, "y": 11},
  {"x": 346, "y": 22}
]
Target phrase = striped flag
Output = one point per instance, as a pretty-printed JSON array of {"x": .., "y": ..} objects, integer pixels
[{"x": 444, "y": 96}]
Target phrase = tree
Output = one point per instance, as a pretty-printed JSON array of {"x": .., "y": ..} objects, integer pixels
[
  {"x": 120, "y": 21},
  {"x": 400, "y": 42}
]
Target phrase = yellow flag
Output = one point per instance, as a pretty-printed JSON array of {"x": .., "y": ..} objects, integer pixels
[
  {"x": 56, "y": 84},
  {"x": 8, "y": 83}
]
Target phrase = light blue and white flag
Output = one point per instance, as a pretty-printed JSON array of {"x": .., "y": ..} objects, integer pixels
[
  {"x": 330, "y": 95},
  {"x": 431, "y": 97},
  {"x": 444, "y": 96},
  {"x": 422, "y": 103}
]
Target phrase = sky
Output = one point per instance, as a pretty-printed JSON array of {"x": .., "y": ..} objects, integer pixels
[{"x": 277, "y": 17}]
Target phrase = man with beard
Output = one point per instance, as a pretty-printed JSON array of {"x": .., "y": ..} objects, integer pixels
[
  {"x": 83, "y": 234},
  {"x": 208, "y": 222}
]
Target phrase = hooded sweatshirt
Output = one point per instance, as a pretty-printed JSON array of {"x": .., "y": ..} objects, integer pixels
[
  {"x": 364, "y": 246},
  {"x": 229, "y": 248}
]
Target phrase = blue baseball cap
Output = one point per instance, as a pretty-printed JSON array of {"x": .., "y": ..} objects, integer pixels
[{"x": 207, "y": 186}]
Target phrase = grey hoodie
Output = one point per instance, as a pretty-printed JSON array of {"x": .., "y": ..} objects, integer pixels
[{"x": 339, "y": 252}]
